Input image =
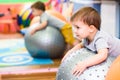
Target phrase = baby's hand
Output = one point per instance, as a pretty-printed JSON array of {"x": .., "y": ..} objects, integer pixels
[
  {"x": 32, "y": 32},
  {"x": 63, "y": 59},
  {"x": 79, "y": 68}
]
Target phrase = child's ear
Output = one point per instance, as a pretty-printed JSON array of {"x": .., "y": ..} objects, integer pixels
[{"x": 92, "y": 28}]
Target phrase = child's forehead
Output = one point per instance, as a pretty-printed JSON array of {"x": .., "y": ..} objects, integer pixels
[
  {"x": 35, "y": 9},
  {"x": 77, "y": 21}
]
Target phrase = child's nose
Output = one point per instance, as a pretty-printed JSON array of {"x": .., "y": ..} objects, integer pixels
[{"x": 75, "y": 30}]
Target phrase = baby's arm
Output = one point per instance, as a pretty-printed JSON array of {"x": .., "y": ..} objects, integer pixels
[
  {"x": 35, "y": 20},
  {"x": 96, "y": 59},
  {"x": 78, "y": 46},
  {"x": 41, "y": 26}
]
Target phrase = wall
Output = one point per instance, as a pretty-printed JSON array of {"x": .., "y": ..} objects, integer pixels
[{"x": 108, "y": 15}]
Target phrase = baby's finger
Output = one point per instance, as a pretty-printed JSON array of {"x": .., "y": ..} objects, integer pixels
[
  {"x": 77, "y": 73},
  {"x": 74, "y": 70}
]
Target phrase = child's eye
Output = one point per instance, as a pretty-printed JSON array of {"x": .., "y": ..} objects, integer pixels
[{"x": 77, "y": 27}]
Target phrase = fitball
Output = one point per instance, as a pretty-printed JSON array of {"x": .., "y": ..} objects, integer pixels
[
  {"x": 96, "y": 72},
  {"x": 45, "y": 43}
]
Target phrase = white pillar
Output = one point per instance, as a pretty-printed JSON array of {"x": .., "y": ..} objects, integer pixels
[{"x": 108, "y": 16}]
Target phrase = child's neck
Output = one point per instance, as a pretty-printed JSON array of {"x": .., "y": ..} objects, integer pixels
[
  {"x": 92, "y": 36},
  {"x": 41, "y": 13}
]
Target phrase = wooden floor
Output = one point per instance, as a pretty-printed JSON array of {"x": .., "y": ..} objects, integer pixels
[{"x": 36, "y": 72}]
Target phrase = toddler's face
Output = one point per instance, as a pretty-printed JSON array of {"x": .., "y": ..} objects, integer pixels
[
  {"x": 81, "y": 30},
  {"x": 36, "y": 12}
]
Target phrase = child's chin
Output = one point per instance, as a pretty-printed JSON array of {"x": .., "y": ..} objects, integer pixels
[{"x": 79, "y": 38}]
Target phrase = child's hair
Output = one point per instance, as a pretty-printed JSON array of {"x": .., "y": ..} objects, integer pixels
[
  {"x": 38, "y": 5},
  {"x": 89, "y": 16}
]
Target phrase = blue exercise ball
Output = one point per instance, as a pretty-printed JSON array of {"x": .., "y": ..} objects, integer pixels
[
  {"x": 45, "y": 43},
  {"x": 97, "y": 72}
]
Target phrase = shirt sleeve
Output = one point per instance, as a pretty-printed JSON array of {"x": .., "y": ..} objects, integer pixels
[
  {"x": 101, "y": 44},
  {"x": 43, "y": 18}
]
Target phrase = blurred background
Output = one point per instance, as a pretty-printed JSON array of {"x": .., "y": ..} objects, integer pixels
[
  {"x": 16, "y": 15},
  {"x": 19, "y": 12}
]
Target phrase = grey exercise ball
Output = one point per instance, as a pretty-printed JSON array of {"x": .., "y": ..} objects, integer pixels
[
  {"x": 97, "y": 72},
  {"x": 45, "y": 43}
]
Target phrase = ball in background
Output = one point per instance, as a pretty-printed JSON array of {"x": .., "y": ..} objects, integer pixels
[{"x": 46, "y": 43}]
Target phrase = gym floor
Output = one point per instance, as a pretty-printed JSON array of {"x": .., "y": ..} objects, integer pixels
[{"x": 35, "y": 72}]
